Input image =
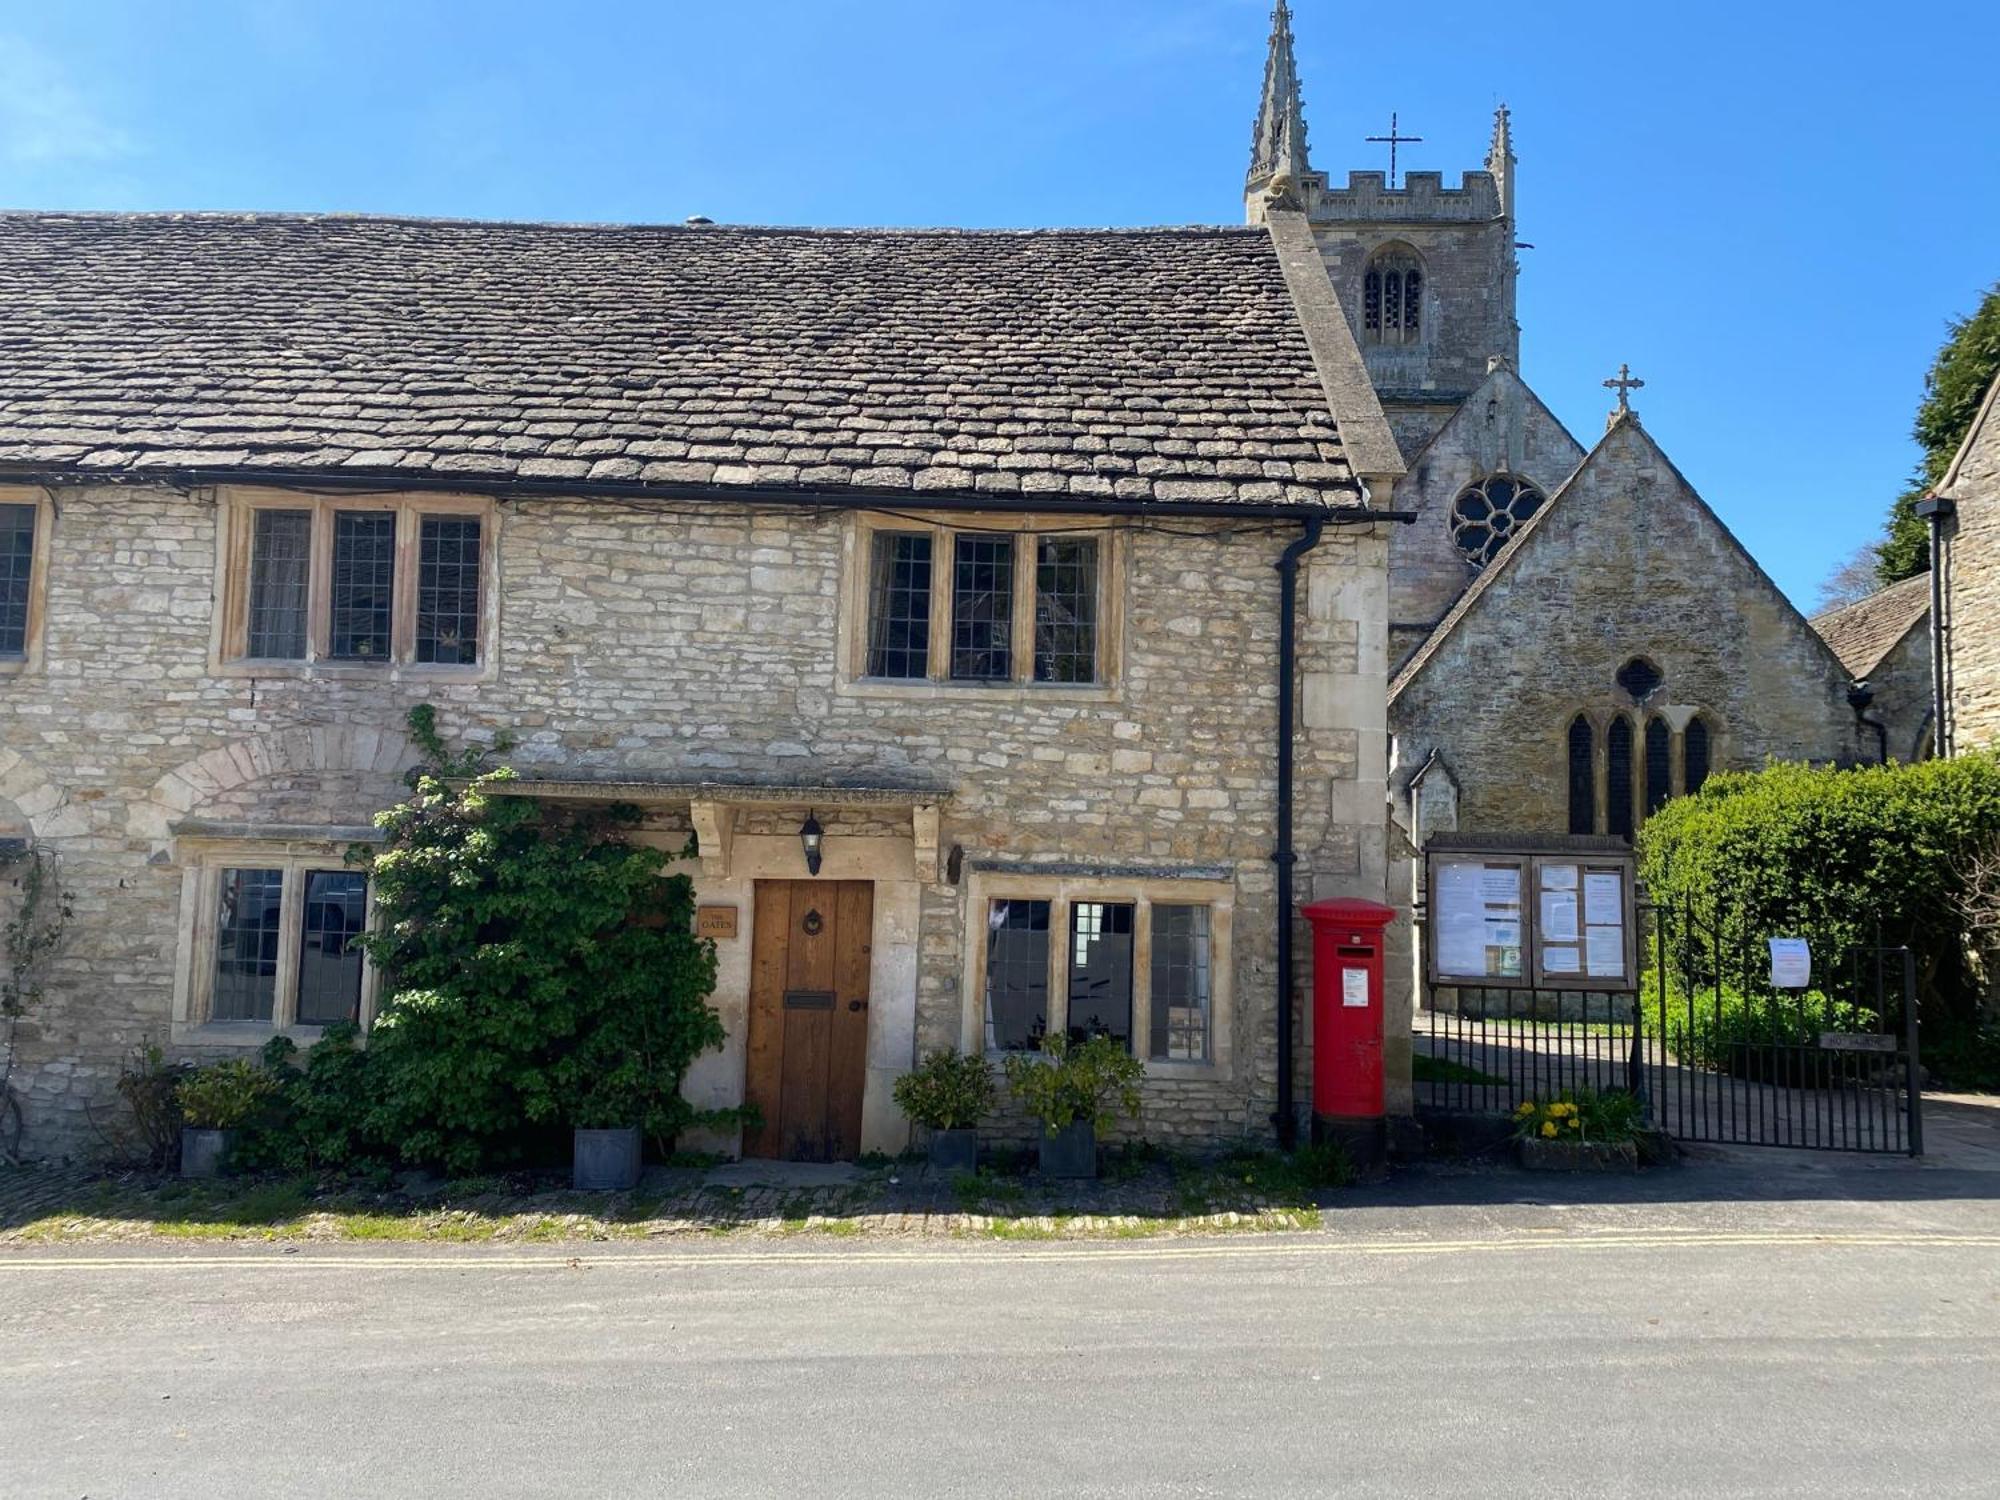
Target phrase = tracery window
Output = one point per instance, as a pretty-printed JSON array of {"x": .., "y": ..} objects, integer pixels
[
  {"x": 1618, "y": 778},
  {"x": 1392, "y": 299},
  {"x": 1486, "y": 515},
  {"x": 1622, "y": 776},
  {"x": 1659, "y": 765},
  {"x": 1582, "y": 776}
]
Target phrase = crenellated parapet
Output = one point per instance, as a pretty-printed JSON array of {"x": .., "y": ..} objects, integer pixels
[{"x": 1423, "y": 196}]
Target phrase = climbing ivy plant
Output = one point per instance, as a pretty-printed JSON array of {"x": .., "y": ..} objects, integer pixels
[{"x": 32, "y": 935}]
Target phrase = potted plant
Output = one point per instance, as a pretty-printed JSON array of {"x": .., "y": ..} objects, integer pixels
[
  {"x": 1580, "y": 1131},
  {"x": 216, "y": 1102},
  {"x": 1068, "y": 1086},
  {"x": 946, "y": 1094},
  {"x": 607, "y": 1142}
]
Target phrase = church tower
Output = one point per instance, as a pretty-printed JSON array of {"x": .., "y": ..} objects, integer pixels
[{"x": 1426, "y": 272}]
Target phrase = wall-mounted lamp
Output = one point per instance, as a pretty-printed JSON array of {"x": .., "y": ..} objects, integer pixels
[{"x": 812, "y": 839}]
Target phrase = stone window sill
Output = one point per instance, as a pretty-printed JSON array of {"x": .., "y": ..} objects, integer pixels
[
  {"x": 1163, "y": 1072},
  {"x": 354, "y": 671},
  {"x": 990, "y": 692},
  {"x": 248, "y": 1035}
]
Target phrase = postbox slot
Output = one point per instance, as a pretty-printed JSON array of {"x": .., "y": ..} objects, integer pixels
[{"x": 1356, "y": 952}]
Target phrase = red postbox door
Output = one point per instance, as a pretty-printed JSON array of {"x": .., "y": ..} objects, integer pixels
[{"x": 1348, "y": 939}]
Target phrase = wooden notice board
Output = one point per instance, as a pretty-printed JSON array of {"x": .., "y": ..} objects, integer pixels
[{"x": 1542, "y": 914}]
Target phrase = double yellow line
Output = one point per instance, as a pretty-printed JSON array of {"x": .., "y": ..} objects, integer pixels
[{"x": 321, "y": 1259}]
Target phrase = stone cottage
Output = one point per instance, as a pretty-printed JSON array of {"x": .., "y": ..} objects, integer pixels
[
  {"x": 1884, "y": 642},
  {"x": 1001, "y": 557}
]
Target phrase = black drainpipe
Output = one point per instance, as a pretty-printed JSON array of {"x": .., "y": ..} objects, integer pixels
[
  {"x": 1284, "y": 857},
  {"x": 1936, "y": 510}
]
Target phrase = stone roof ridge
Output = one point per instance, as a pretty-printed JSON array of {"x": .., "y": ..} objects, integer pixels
[
  {"x": 445, "y": 221},
  {"x": 1864, "y": 632},
  {"x": 1621, "y": 422}
]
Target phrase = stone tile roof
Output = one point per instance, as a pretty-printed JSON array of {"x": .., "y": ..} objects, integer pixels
[
  {"x": 1149, "y": 365},
  {"x": 1864, "y": 632}
]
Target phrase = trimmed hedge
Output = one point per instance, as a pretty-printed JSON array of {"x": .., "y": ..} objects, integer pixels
[{"x": 1850, "y": 860}]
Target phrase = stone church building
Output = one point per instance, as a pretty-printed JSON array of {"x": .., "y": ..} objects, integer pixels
[
  {"x": 1102, "y": 595},
  {"x": 1574, "y": 635}
]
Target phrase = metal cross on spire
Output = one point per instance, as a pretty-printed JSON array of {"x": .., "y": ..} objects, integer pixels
[
  {"x": 1625, "y": 384},
  {"x": 1394, "y": 139}
]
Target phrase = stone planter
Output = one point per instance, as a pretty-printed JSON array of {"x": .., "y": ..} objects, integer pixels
[
  {"x": 955, "y": 1150},
  {"x": 605, "y": 1161},
  {"x": 203, "y": 1152},
  {"x": 1070, "y": 1152},
  {"x": 1538, "y": 1155}
]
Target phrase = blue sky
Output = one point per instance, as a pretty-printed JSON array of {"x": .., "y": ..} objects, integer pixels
[{"x": 1770, "y": 209}]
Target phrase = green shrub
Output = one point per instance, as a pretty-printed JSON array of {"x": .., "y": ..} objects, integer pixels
[
  {"x": 225, "y": 1095},
  {"x": 1850, "y": 860},
  {"x": 321, "y": 1112},
  {"x": 150, "y": 1087},
  {"x": 1964, "y": 1057},
  {"x": 540, "y": 969},
  {"x": 1727, "y": 1031},
  {"x": 947, "y": 1091},
  {"x": 1070, "y": 1081}
]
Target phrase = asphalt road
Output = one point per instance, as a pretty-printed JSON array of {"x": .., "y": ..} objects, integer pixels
[{"x": 1809, "y": 1348}]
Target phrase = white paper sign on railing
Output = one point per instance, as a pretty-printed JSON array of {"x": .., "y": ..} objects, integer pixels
[{"x": 1791, "y": 963}]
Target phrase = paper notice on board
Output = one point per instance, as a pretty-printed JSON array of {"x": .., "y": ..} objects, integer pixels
[
  {"x": 1500, "y": 885},
  {"x": 1354, "y": 988},
  {"x": 1558, "y": 877},
  {"x": 1562, "y": 960},
  {"x": 1603, "y": 898},
  {"x": 1559, "y": 917},
  {"x": 1604, "y": 952},
  {"x": 1461, "y": 921},
  {"x": 1791, "y": 963}
]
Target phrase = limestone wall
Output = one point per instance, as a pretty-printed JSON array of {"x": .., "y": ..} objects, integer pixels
[{"x": 694, "y": 642}]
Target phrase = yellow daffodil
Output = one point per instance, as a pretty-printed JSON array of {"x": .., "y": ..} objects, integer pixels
[{"x": 1549, "y": 1129}]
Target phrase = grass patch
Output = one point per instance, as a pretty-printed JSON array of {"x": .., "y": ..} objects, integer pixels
[{"x": 1427, "y": 1069}]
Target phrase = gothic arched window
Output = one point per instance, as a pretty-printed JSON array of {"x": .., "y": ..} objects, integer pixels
[
  {"x": 1695, "y": 755},
  {"x": 1392, "y": 298},
  {"x": 1486, "y": 515},
  {"x": 1582, "y": 776},
  {"x": 1618, "y": 777},
  {"x": 1659, "y": 765}
]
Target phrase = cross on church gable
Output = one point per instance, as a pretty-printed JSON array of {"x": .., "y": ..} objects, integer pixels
[{"x": 1625, "y": 384}]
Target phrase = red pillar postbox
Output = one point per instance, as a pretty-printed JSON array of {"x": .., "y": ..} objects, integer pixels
[{"x": 1347, "y": 1102}]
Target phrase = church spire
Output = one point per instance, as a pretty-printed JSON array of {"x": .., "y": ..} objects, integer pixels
[
  {"x": 1278, "y": 161},
  {"x": 1500, "y": 159}
]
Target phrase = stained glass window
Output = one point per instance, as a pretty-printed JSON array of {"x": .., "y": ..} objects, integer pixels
[{"x": 1486, "y": 515}]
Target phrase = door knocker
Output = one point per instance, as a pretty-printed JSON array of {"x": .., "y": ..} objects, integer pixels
[{"x": 814, "y": 924}]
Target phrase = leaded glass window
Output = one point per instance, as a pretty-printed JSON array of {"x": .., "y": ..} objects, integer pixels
[
  {"x": 364, "y": 584},
  {"x": 1695, "y": 755},
  {"x": 280, "y": 561},
  {"x": 1100, "y": 971},
  {"x": 1017, "y": 975},
  {"x": 1659, "y": 765},
  {"x": 899, "y": 630},
  {"x": 246, "y": 945},
  {"x": 1618, "y": 778},
  {"x": 1181, "y": 983},
  {"x": 1486, "y": 515},
  {"x": 17, "y": 570},
  {"x": 982, "y": 608},
  {"x": 1392, "y": 299},
  {"x": 1582, "y": 776},
  {"x": 448, "y": 590},
  {"x": 335, "y": 911},
  {"x": 1066, "y": 609}
]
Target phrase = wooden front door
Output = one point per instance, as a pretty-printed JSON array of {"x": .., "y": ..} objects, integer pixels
[{"x": 809, "y": 1018}]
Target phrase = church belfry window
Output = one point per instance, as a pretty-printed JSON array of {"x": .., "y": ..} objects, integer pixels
[
  {"x": 1486, "y": 515},
  {"x": 1582, "y": 776},
  {"x": 1392, "y": 299}
]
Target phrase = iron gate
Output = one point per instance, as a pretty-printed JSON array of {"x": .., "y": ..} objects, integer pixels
[{"x": 1717, "y": 1054}]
